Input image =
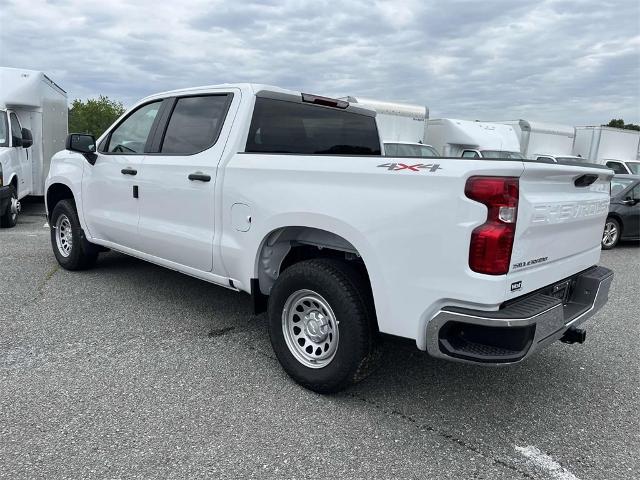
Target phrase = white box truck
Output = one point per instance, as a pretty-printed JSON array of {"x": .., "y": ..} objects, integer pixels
[
  {"x": 402, "y": 127},
  {"x": 33, "y": 126},
  {"x": 469, "y": 139},
  {"x": 615, "y": 147},
  {"x": 546, "y": 142}
]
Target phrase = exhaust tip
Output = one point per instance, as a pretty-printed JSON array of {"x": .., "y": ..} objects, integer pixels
[{"x": 574, "y": 335}]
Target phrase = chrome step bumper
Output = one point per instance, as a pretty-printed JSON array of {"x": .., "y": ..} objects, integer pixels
[{"x": 522, "y": 326}]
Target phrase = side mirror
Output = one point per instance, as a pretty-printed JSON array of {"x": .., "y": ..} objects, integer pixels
[
  {"x": 630, "y": 201},
  {"x": 27, "y": 138},
  {"x": 84, "y": 144}
]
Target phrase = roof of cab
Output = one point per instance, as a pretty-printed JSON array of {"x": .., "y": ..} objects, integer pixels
[{"x": 249, "y": 88}]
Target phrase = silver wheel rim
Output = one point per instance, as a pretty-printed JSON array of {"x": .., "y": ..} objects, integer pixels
[
  {"x": 610, "y": 234},
  {"x": 15, "y": 208},
  {"x": 64, "y": 235},
  {"x": 310, "y": 328}
]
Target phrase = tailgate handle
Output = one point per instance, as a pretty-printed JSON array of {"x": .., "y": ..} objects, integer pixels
[{"x": 585, "y": 180}]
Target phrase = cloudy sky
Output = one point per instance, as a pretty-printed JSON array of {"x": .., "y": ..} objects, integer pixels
[{"x": 573, "y": 62}]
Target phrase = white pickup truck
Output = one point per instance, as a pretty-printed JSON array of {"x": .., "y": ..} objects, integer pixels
[{"x": 285, "y": 196}]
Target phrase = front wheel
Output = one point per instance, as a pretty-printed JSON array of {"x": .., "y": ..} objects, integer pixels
[
  {"x": 9, "y": 218},
  {"x": 70, "y": 247},
  {"x": 322, "y": 324},
  {"x": 611, "y": 234}
]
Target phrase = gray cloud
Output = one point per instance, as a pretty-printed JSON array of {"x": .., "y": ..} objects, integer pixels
[{"x": 574, "y": 62}]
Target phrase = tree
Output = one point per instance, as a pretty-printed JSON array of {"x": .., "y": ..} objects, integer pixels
[
  {"x": 93, "y": 116},
  {"x": 619, "y": 123}
]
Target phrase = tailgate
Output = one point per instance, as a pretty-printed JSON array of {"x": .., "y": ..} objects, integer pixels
[{"x": 561, "y": 214}]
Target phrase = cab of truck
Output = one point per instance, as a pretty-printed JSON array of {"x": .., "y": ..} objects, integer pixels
[{"x": 15, "y": 167}]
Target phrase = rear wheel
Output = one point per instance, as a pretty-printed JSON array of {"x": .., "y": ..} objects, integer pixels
[
  {"x": 611, "y": 234},
  {"x": 9, "y": 218},
  {"x": 322, "y": 324},
  {"x": 69, "y": 244}
]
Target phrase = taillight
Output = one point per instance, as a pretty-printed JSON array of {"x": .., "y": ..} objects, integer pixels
[{"x": 492, "y": 242}]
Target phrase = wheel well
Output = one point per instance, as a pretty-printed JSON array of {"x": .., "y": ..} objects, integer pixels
[
  {"x": 289, "y": 245},
  {"x": 55, "y": 193}
]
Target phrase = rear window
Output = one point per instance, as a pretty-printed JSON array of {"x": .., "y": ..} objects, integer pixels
[{"x": 279, "y": 126}]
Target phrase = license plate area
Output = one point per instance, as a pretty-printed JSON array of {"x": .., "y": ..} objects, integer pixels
[{"x": 562, "y": 290}]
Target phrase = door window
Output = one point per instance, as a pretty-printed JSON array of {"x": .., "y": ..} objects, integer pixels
[
  {"x": 195, "y": 124},
  {"x": 131, "y": 135},
  {"x": 16, "y": 131}
]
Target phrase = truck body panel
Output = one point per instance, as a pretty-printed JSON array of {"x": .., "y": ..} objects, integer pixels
[{"x": 452, "y": 136}]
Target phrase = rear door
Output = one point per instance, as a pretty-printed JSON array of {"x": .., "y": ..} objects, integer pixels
[
  {"x": 561, "y": 214},
  {"x": 177, "y": 184}
]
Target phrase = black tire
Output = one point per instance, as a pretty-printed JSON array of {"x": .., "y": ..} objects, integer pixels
[
  {"x": 610, "y": 240},
  {"x": 81, "y": 254},
  {"x": 348, "y": 295},
  {"x": 8, "y": 219}
]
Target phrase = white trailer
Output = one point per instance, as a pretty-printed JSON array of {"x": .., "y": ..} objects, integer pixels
[
  {"x": 469, "y": 139},
  {"x": 39, "y": 105},
  {"x": 599, "y": 144},
  {"x": 402, "y": 127},
  {"x": 543, "y": 139}
]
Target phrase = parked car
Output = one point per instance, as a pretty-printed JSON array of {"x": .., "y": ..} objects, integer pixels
[
  {"x": 33, "y": 126},
  {"x": 623, "y": 222},
  {"x": 409, "y": 149},
  {"x": 558, "y": 158},
  {"x": 624, "y": 167},
  {"x": 287, "y": 196}
]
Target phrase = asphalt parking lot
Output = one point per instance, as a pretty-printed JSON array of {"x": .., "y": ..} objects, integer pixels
[{"x": 133, "y": 371}]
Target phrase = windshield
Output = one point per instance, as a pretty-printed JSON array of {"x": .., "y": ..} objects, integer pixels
[
  {"x": 634, "y": 167},
  {"x": 409, "y": 150},
  {"x": 619, "y": 184},
  {"x": 4, "y": 130},
  {"x": 502, "y": 154}
]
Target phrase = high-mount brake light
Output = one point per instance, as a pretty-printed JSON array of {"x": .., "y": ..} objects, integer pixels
[
  {"x": 492, "y": 242},
  {"x": 326, "y": 101}
]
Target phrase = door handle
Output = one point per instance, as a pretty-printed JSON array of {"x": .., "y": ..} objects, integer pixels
[
  {"x": 128, "y": 171},
  {"x": 199, "y": 176}
]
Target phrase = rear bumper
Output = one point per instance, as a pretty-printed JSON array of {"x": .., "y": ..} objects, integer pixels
[{"x": 522, "y": 326}]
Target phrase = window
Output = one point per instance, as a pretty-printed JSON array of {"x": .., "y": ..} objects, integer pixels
[
  {"x": 4, "y": 130},
  {"x": 502, "y": 154},
  {"x": 279, "y": 126},
  {"x": 617, "y": 167},
  {"x": 195, "y": 124},
  {"x": 16, "y": 131},
  {"x": 634, "y": 194},
  {"x": 545, "y": 160},
  {"x": 634, "y": 167},
  {"x": 618, "y": 185},
  {"x": 470, "y": 154},
  {"x": 409, "y": 150},
  {"x": 131, "y": 135}
]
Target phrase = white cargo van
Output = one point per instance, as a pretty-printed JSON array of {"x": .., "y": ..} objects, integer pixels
[
  {"x": 402, "y": 127},
  {"x": 33, "y": 126},
  {"x": 604, "y": 144},
  {"x": 468, "y": 139}
]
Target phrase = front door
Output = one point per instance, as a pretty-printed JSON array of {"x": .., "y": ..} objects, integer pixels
[
  {"x": 109, "y": 205},
  {"x": 177, "y": 184},
  {"x": 22, "y": 157}
]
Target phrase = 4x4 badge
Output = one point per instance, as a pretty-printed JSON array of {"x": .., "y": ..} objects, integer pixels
[{"x": 414, "y": 168}]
